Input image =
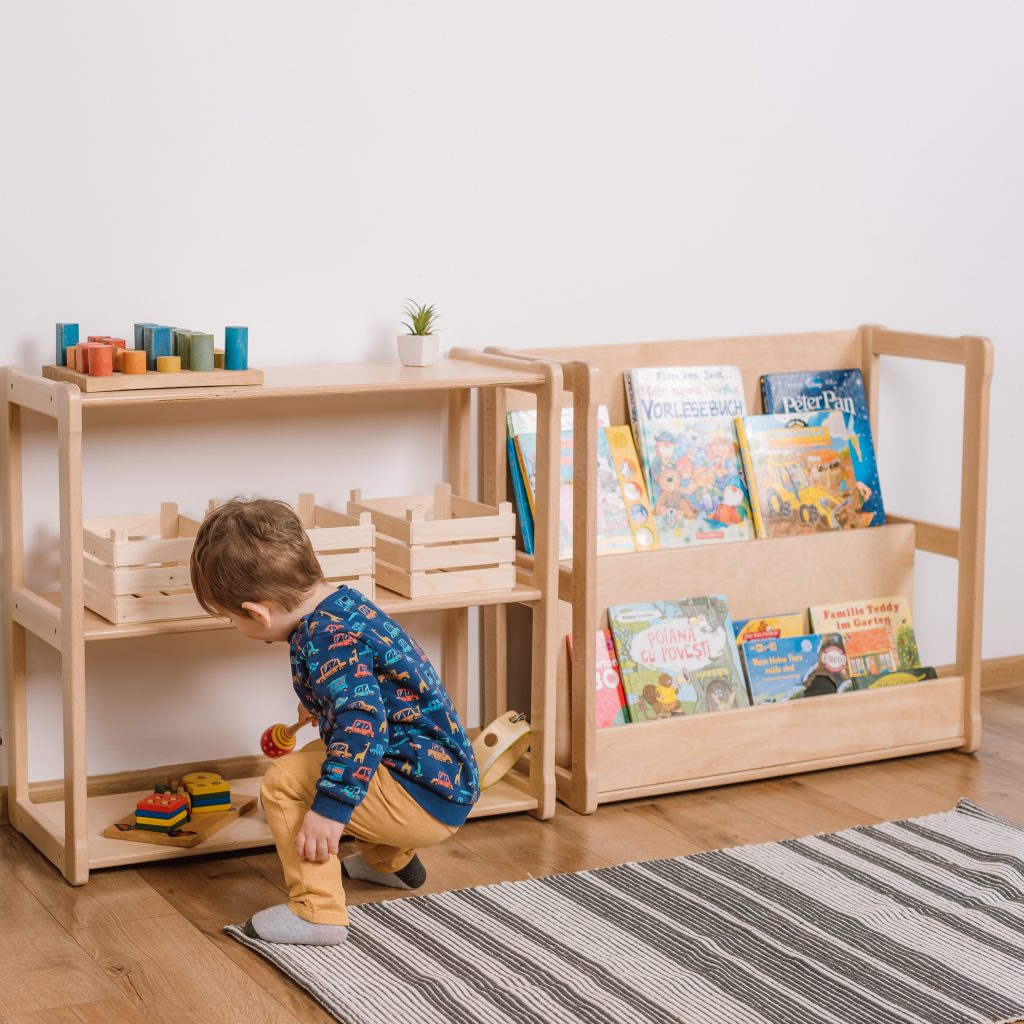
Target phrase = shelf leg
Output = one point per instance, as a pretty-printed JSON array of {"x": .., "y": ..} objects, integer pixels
[
  {"x": 69, "y": 426},
  {"x": 13, "y": 634},
  {"x": 545, "y": 578},
  {"x": 455, "y": 656},
  {"x": 582, "y": 790},
  {"x": 494, "y": 618}
]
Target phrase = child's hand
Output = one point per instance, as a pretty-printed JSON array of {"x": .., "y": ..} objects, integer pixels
[
  {"x": 318, "y": 837},
  {"x": 305, "y": 715}
]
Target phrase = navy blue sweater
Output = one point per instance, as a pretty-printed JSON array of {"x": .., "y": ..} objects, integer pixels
[{"x": 379, "y": 701}]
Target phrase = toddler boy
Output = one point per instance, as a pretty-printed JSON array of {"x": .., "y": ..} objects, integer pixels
[{"x": 393, "y": 766}]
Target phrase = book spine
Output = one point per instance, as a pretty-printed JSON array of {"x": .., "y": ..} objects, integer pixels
[
  {"x": 748, "y": 472},
  {"x": 518, "y": 492},
  {"x": 766, "y": 394}
]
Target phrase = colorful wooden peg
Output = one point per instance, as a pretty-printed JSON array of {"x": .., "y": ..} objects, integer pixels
[
  {"x": 67, "y": 336},
  {"x": 168, "y": 364},
  {"x": 156, "y": 341},
  {"x": 236, "y": 348},
  {"x": 101, "y": 360},
  {"x": 201, "y": 352},
  {"x": 133, "y": 361}
]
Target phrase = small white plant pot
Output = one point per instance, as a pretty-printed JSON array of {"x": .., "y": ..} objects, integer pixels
[{"x": 417, "y": 349}]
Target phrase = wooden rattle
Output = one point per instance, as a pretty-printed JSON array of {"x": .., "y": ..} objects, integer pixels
[{"x": 279, "y": 739}]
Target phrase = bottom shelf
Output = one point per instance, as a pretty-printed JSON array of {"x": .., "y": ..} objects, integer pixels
[
  {"x": 248, "y": 832},
  {"x": 672, "y": 755}
]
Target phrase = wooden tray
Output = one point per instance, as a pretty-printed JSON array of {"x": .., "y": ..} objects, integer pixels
[
  {"x": 191, "y": 834},
  {"x": 150, "y": 380}
]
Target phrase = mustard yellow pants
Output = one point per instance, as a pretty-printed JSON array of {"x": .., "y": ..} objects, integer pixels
[{"x": 389, "y": 826}]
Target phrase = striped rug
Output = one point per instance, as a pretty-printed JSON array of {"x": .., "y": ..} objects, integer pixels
[{"x": 908, "y": 922}]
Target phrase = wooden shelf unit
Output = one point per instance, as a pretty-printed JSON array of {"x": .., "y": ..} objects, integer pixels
[
  {"x": 68, "y": 831},
  {"x": 761, "y": 576}
]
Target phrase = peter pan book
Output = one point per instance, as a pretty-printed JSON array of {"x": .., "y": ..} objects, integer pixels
[
  {"x": 770, "y": 627},
  {"x": 797, "y": 394},
  {"x": 609, "y": 699},
  {"x": 614, "y": 530},
  {"x": 677, "y": 657},
  {"x": 878, "y": 632},
  {"x": 793, "y": 667},
  {"x": 682, "y": 418},
  {"x": 810, "y": 478}
]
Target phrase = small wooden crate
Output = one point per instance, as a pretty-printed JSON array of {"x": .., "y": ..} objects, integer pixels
[
  {"x": 343, "y": 544},
  {"x": 431, "y": 545},
  {"x": 136, "y": 566}
]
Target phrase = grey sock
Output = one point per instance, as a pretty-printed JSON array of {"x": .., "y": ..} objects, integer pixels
[
  {"x": 279, "y": 924},
  {"x": 412, "y": 876}
]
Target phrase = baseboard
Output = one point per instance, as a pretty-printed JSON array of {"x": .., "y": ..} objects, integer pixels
[
  {"x": 245, "y": 767},
  {"x": 999, "y": 673},
  {"x": 996, "y": 674}
]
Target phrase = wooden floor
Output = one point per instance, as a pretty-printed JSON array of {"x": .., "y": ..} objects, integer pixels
[{"x": 145, "y": 944}]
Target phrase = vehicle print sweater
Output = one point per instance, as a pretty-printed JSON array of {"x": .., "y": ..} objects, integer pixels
[{"x": 379, "y": 701}]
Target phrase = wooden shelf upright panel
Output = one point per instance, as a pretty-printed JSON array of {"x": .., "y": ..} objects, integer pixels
[
  {"x": 758, "y": 577},
  {"x": 68, "y": 831}
]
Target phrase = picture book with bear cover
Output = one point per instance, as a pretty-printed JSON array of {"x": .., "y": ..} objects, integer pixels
[
  {"x": 677, "y": 657},
  {"x": 810, "y": 477},
  {"x": 879, "y": 636},
  {"x": 683, "y": 424}
]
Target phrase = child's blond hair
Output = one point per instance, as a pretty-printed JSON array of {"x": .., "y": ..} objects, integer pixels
[{"x": 252, "y": 549}]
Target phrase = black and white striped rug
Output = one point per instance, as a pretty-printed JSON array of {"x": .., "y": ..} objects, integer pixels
[{"x": 908, "y": 922}]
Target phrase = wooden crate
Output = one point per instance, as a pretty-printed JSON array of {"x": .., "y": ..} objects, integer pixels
[
  {"x": 136, "y": 569},
  {"x": 428, "y": 545},
  {"x": 343, "y": 544}
]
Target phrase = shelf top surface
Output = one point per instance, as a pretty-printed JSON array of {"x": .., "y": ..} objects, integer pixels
[
  {"x": 331, "y": 379},
  {"x": 98, "y": 628}
]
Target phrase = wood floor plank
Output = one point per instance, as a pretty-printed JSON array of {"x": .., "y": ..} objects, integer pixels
[
  {"x": 789, "y": 804},
  {"x": 523, "y": 847},
  {"x": 708, "y": 820},
  {"x": 110, "y": 896},
  {"x": 41, "y": 967},
  {"x": 175, "y": 974},
  {"x": 871, "y": 787},
  {"x": 107, "y": 1011},
  {"x": 213, "y": 892},
  {"x": 620, "y": 833}
]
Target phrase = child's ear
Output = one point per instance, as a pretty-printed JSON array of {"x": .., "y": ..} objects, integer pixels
[{"x": 258, "y": 612}]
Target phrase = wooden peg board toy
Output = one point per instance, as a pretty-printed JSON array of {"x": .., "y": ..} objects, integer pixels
[
  {"x": 120, "y": 381},
  {"x": 202, "y": 822},
  {"x": 429, "y": 545},
  {"x": 163, "y": 357}
]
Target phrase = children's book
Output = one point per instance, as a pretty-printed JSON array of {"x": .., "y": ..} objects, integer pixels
[
  {"x": 878, "y": 632},
  {"x": 682, "y": 419},
  {"x": 797, "y": 394},
  {"x": 789, "y": 668},
  {"x": 770, "y": 627},
  {"x": 524, "y": 514},
  {"x": 526, "y": 449},
  {"x": 614, "y": 532},
  {"x": 804, "y": 479},
  {"x": 610, "y": 700},
  {"x": 626, "y": 466},
  {"x": 910, "y": 675},
  {"x": 677, "y": 657}
]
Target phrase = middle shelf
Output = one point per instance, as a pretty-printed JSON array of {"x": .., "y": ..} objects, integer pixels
[{"x": 97, "y": 628}]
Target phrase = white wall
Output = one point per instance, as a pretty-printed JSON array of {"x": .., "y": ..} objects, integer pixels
[{"x": 563, "y": 172}]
